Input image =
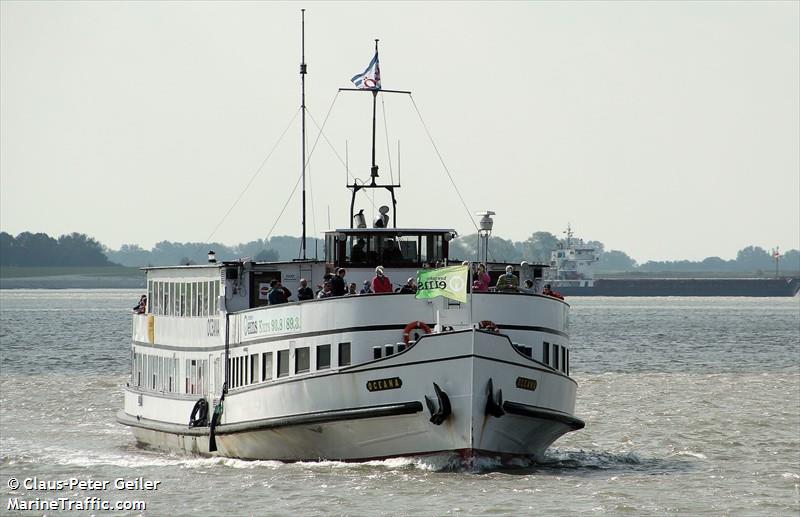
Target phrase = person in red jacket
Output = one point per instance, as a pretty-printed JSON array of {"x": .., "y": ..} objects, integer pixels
[
  {"x": 548, "y": 292},
  {"x": 381, "y": 282}
]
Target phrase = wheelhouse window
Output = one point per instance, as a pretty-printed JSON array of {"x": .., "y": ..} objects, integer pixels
[
  {"x": 546, "y": 353},
  {"x": 388, "y": 248},
  {"x": 431, "y": 250}
]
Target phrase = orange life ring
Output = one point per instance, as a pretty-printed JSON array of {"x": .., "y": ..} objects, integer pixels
[
  {"x": 488, "y": 325},
  {"x": 414, "y": 325}
]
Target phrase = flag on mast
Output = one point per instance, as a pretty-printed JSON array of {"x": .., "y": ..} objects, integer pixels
[{"x": 369, "y": 79}]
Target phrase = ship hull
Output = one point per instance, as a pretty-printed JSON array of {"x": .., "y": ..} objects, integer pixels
[{"x": 501, "y": 403}]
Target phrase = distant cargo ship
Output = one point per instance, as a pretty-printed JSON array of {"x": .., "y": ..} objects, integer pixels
[
  {"x": 788, "y": 286},
  {"x": 571, "y": 273}
]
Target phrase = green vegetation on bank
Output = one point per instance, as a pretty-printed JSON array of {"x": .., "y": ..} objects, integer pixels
[
  {"x": 39, "y": 255},
  {"x": 41, "y": 250}
]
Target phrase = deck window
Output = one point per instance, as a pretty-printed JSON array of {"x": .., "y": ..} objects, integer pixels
[
  {"x": 266, "y": 366},
  {"x": 323, "y": 357},
  {"x": 253, "y": 368},
  {"x": 302, "y": 360},
  {"x": 555, "y": 356},
  {"x": 198, "y": 298},
  {"x": 190, "y": 377},
  {"x": 283, "y": 363},
  {"x": 546, "y": 353},
  {"x": 377, "y": 352},
  {"x": 344, "y": 354},
  {"x": 566, "y": 361},
  {"x": 215, "y": 297},
  {"x": 203, "y": 298}
]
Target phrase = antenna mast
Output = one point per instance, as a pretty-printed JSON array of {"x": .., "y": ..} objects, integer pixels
[{"x": 303, "y": 108}]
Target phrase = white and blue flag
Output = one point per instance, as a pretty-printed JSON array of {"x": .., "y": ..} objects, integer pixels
[{"x": 369, "y": 79}]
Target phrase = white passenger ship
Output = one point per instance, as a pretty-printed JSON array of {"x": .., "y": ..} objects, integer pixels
[{"x": 216, "y": 370}]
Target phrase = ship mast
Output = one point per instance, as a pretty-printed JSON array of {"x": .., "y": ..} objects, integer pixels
[
  {"x": 374, "y": 169},
  {"x": 355, "y": 187},
  {"x": 303, "y": 109}
]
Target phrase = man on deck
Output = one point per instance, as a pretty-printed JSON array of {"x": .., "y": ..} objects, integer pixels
[{"x": 508, "y": 283}]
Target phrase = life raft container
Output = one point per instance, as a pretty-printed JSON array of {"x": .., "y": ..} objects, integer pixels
[{"x": 415, "y": 326}]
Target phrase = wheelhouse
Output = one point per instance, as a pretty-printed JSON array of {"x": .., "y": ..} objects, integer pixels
[{"x": 388, "y": 247}]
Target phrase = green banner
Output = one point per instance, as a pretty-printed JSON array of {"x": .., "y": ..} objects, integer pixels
[{"x": 450, "y": 282}]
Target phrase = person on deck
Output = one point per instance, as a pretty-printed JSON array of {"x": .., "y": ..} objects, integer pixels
[
  {"x": 325, "y": 292},
  {"x": 338, "y": 285},
  {"x": 381, "y": 282},
  {"x": 367, "y": 289},
  {"x": 482, "y": 280},
  {"x": 141, "y": 307},
  {"x": 305, "y": 292},
  {"x": 549, "y": 292},
  {"x": 508, "y": 283},
  {"x": 276, "y": 294},
  {"x": 351, "y": 289},
  {"x": 410, "y": 287}
]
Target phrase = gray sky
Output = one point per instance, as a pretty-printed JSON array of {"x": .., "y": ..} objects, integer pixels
[{"x": 668, "y": 130}]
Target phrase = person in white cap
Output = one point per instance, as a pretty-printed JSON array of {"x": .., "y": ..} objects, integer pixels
[
  {"x": 381, "y": 282},
  {"x": 410, "y": 286},
  {"x": 508, "y": 283}
]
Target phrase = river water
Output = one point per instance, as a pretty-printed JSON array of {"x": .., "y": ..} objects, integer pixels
[{"x": 692, "y": 406}]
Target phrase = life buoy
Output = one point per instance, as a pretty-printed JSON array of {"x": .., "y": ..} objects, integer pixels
[
  {"x": 413, "y": 326},
  {"x": 488, "y": 325},
  {"x": 199, "y": 416}
]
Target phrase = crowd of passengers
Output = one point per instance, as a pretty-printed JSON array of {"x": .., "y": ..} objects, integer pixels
[{"x": 336, "y": 285}]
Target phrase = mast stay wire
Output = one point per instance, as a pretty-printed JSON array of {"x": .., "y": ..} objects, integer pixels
[
  {"x": 321, "y": 133},
  {"x": 463, "y": 203},
  {"x": 386, "y": 132},
  {"x": 253, "y": 177},
  {"x": 335, "y": 152},
  {"x": 442, "y": 162}
]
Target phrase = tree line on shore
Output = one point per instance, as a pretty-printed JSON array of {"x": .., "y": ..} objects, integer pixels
[{"x": 77, "y": 249}]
